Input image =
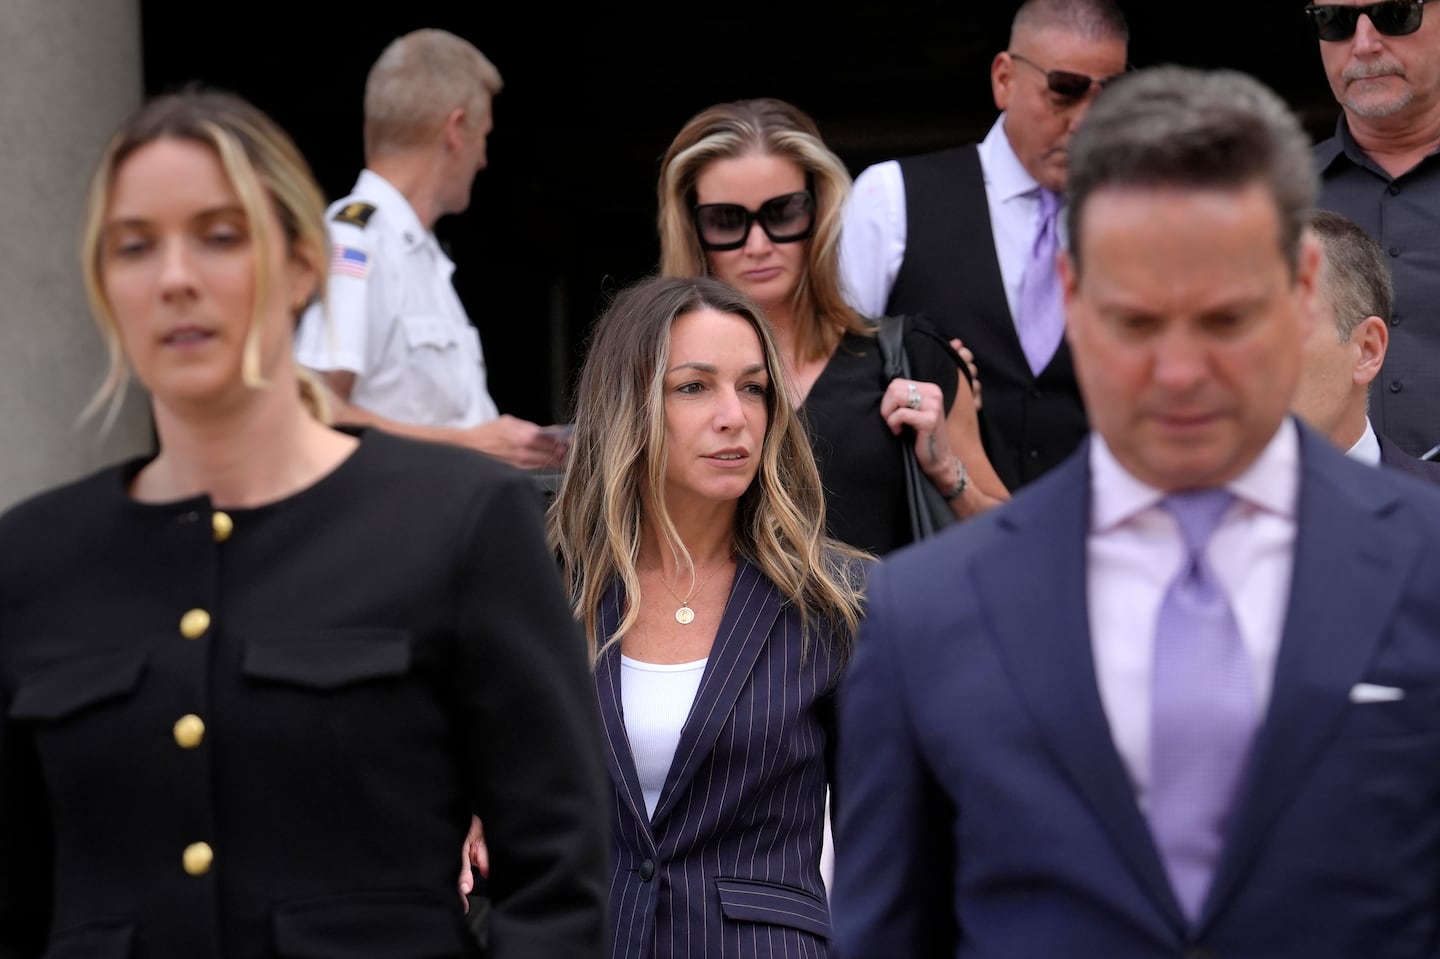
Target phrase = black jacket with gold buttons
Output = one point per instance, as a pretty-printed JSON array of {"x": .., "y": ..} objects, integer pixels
[{"x": 262, "y": 732}]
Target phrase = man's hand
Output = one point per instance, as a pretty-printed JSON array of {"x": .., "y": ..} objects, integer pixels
[
  {"x": 519, "y": 442},
  {"x": 475, "y": 853},
  {"x": 509, "y": 438}
]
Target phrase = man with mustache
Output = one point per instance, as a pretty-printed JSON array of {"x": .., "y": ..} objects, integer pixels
[{"x": 1380, "y": 169}]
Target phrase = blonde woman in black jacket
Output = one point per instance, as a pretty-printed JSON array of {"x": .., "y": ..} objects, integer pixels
[{"x": 253, "y": 688}]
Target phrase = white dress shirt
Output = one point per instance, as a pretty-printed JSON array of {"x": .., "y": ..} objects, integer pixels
[
  {"x": 1367, "y": 447},
  {"x": 1134, "y": 550},
  {"x": 872, "y": 242}
]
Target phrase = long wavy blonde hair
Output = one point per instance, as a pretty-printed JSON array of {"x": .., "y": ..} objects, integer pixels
[{"x": 618, "y": 458}]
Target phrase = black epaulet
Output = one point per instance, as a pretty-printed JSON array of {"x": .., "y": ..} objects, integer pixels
[{"x": 356, "y": 214}]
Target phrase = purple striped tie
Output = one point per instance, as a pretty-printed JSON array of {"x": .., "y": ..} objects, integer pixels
[
  {"x": 1040, "y": 316},
  {"x": 1203, "y": 708}
]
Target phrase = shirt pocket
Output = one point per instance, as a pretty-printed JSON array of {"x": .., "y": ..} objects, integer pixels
[{"x": 442, "y": 368}]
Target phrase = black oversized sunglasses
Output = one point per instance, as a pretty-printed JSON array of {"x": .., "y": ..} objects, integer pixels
[
  {"x": 1394, "y": 18},
  {"x": 726, "y": 226},
  {"x": 1065, "y": 83}
]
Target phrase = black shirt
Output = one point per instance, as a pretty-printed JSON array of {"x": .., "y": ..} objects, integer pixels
[{"x": 859, "y": 458}]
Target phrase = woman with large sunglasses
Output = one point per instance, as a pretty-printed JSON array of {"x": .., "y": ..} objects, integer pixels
[{"x": 750, "y": 194}]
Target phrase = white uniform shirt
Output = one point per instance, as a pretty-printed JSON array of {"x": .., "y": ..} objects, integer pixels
[
  {"x": 395, "y": 319},
  {"x": 872, "y": 241}
]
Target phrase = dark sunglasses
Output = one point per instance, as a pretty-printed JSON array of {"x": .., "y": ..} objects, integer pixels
[
  {"x": 726, "y": 226},
  {"x": 1394, "y": 18},
  {"x": 1063, "y": 83}
]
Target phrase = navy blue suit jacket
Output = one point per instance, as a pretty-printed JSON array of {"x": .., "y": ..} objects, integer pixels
[
  {"x": 987, "y": 812},
  {"x": 730, "y": 863}
]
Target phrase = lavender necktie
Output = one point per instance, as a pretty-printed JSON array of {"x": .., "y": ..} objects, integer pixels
[
  {"x": 1202, "y": 710},
  {"x": 1040, "y": 318}
]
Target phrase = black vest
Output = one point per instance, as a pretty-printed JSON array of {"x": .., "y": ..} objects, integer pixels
[{"x": 951, "y": 275}]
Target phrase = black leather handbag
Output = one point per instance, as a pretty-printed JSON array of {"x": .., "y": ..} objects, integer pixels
[{"x": 929, "y": 512}]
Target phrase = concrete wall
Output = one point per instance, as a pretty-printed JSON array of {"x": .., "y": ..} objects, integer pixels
[{"x": 70, "y": 71}]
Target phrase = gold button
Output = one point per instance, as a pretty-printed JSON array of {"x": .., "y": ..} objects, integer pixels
[
  {"x": 194, "y": 623},
  {"x": 189, "y": 731},
  {"x": 223, "y": 526},
  {"x": 198, "y": 857}
]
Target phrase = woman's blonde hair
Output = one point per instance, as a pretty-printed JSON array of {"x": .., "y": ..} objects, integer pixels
[
  {"x": 618, "y": 458},
  {"x": 263, "y": 165},
  {"x": 767, "y": 127}
]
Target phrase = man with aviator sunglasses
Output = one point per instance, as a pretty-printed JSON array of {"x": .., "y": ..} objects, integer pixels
[
  {"x": 967, "y": 236},
  {"x": 1380, "y": 170}
]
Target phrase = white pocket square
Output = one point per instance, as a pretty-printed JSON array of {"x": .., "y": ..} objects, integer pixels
[{"x": 1370, "y": 693}]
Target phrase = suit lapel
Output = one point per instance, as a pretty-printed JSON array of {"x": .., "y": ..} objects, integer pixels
[
  {"x": 1350, "y": 569},
  {"x": 749, "y": 616},
  {"x": 618, "y": 756},
  {"x": 1046, "y": 649}
]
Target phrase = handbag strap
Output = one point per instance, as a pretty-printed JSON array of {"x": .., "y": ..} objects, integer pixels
[{"x": 891, "y": 339}]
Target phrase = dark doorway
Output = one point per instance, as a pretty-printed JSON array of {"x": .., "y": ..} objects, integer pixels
[{"x": 565, "y": 213}]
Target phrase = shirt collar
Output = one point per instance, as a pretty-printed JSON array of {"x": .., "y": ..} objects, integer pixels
[
  {"x": 1367, "y": 447},
  {"x": 1328, "y": 151},
  {"x": 1271, "y": 483},
  {"x": 381, "y": 192},
  {"x": 1005, "y": 177}
]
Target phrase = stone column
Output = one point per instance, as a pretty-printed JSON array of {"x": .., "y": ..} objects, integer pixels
[{"x": 69, "y": 73}]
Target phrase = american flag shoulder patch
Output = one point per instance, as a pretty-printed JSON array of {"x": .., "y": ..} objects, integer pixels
[{"x": 348, "y": 261}]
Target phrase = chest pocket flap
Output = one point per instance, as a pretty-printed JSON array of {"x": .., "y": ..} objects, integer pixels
[
  {"x": 424, "y": 331},
  {"x": 330, "y": 658},
  {"x": 59, "y": 691}
]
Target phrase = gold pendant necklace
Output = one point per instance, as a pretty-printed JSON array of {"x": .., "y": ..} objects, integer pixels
[{"x": 685, "y": 615}]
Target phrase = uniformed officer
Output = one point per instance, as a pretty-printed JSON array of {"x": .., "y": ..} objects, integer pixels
[{"x": 399, "y": 351}]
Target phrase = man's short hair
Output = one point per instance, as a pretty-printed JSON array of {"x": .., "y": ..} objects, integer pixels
[
  {"x": 1355, "y": 277},
  {"x": 1091, "y": 19},
  {"x": 1192, "y": 129},
  {"x": 415, "y": 83}
]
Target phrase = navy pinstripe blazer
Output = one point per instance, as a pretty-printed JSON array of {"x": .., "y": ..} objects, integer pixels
[{"x": 730, "y": 864}]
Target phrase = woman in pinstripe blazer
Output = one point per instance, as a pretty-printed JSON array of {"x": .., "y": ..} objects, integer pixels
[{"x": 690, "y": 525}]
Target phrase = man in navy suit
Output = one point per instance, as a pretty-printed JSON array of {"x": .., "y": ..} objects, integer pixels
[
  {"x": 1218, "y": 733},
  {"x": 1346, "y": 350}
]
